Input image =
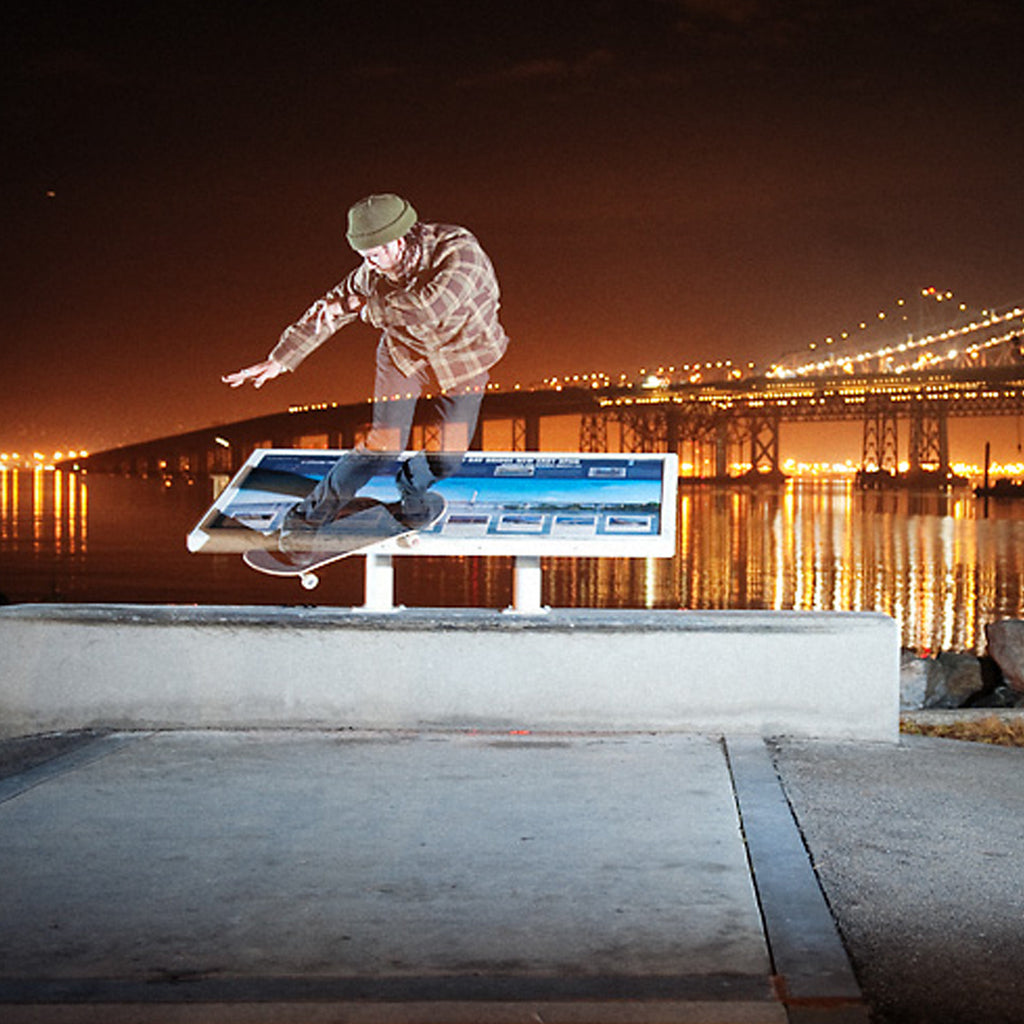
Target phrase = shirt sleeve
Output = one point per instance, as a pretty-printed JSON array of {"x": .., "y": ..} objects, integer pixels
[{"x": 322, "y": 320}]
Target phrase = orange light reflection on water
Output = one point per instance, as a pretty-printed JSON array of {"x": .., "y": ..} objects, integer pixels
[
  {"x": 56, "y": 519},
  {"x": 58, "y": 509},
  {"x": 6, "y": 520},
  {"x": 38, "y": 507},
  {"x": 929, "y": 560}
]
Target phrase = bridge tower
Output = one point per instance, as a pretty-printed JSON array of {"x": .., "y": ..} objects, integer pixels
[
  {"x": 730, "y": 434},
  {"x": 426, "y": 437},
  {"x": 880, "y": 451},
  {"x": 643, "y": 430},
  {"x": 764, "y": 446},
  {"x": 594, "y": 432},
  {"x": 526, "y": 433},
  {"x": 697, "y": 426},
  {"x": 929, "y": 441}
]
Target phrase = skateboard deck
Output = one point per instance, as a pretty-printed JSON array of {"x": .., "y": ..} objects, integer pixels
[{"x": 363, "y": 524}]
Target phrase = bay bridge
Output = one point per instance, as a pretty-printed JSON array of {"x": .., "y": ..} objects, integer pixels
[{"x": 716, "y": 416}]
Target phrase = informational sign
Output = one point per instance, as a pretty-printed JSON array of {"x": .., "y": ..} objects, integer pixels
[{"x": 498, "y": 503}]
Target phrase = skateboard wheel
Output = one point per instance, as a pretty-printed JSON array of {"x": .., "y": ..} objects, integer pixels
[
  {"x": 408, "y": 542},
  {"x": 309, "y": 580}
]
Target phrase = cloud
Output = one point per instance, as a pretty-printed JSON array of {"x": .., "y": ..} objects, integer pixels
[{"x": 545, "y": 70}]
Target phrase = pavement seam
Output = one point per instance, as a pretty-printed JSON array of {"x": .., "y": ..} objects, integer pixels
[
  {"x": 88, "y": 753},
  {"x": 721, "y": 989},
  {"x": 812, "y": 969}
]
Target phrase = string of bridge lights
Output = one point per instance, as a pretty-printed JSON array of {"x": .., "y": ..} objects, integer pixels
[
  {"x": 898, "y": 356},
  {"x": 692, "y": 372},
  {"x": 892, "y": 352}
]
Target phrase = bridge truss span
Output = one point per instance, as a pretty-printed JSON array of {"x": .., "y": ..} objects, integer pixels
[
  {"x": 712, "y": 427},
  {"x": 747, "y": 417}
]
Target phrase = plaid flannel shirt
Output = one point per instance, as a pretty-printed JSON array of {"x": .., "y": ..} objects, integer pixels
[{"x": 442, "y": 310}]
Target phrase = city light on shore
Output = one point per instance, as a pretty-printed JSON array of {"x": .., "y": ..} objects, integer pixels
[{"x": 39, "y": 460}]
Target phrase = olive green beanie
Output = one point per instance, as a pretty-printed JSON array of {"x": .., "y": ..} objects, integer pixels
[{"x": 377, "y": 220}]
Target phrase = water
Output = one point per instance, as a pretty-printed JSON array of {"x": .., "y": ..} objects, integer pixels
[{"x": 932, "y": 561}]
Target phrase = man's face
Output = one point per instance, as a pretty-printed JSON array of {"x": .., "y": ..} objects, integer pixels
[{"x": 386, "y": 259}]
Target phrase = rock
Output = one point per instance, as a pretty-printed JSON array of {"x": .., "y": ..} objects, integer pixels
[
  {"x": 913, "y": 680},
  {"x": 1006, "y": 645},
  {"x": 1000, "y": 697},
  {"x": 953, "y": 679}
]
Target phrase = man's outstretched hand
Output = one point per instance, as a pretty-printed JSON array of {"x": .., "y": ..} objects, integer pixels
[{"x": 258, "y": 373}]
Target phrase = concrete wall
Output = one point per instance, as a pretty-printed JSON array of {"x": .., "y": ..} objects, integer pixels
[{"x": 133, "y": 666}]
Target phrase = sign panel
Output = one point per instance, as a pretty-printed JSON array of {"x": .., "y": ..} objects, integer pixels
[{"x": 498, "y": 503}]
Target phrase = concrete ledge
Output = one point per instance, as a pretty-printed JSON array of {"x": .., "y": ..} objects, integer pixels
[{"x": 827, "y": 675}]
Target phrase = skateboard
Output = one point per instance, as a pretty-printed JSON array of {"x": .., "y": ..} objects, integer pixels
[{"x": 363, "y": 524}]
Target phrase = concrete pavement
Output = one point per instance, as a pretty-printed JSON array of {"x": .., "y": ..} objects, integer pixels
[
  {"x": 324, "y": 876},
  {"x": 410, "y": 876},
  {"x": 918, "y": 847}
]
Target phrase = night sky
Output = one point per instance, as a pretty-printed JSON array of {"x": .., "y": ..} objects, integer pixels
[{"x": 657, "y": 182}]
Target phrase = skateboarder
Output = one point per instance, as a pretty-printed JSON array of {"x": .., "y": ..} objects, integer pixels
[{"x": 432, "y": 291}]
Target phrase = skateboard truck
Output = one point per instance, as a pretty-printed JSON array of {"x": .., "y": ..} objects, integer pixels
[
  {"x": 363, "y": 526},
  {"x": 379, "y": 576}
]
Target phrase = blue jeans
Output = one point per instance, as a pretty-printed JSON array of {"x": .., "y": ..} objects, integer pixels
[{"x": 397, "y": 400}]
